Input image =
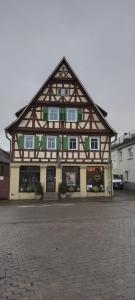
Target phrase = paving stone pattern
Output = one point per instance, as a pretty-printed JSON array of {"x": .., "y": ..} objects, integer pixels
[{"x": 61, "y": 252}]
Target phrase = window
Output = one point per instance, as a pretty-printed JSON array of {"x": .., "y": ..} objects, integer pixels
[
  {"x": 126, "y": 175},
  {"x": 29, "y": 142},
  {"x": 71, "y": 178},
  {"x": 130, "y": 153},
  {"x": 53, "y": 114},
  {"x": 120, "y": 155},
  {"x": 51, "y": 142},
  {"x": 63, "y": 92},
  {"x": 29, "y": 178},
  {"x": 72, "y": 143},
  {"x": 95, "y": 179},
  {"x": 71, "y": 115},
  {"x": 94, "y": 143}
]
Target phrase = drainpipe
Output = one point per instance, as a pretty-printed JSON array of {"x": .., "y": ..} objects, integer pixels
[
  {"x": 110, "y": 166},
  {"x": 9, "y": 142}
]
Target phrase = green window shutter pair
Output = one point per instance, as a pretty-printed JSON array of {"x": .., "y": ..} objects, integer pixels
[
  {"x": 45, "y": 113},
  {"x": 44, "y": 143},
  {"x": 21, "y": 142},
  {"x": 62, "y": 114}
]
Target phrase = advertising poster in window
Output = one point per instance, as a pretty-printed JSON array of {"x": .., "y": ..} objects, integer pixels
[{"x": 70, "y": 179}]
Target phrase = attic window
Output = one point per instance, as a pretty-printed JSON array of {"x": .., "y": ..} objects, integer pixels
[
  {"x": 63, "y": 92},
  {"x": 63, "y": 68}
]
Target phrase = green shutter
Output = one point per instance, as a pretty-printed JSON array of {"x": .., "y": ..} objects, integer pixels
[
  {"x": 86, "y": 145},
  {"x": 62, "y": 114},
  {"x": 43, "y": 142},
  {"x": 58, "y": 143},
  {"x": 65, "y": 143},
  {"x": 21, "y": 142},
  {"x": 80, "y": 115},
  {"x": 45, "y": 113},
  {"x": 36, "y": 142}
]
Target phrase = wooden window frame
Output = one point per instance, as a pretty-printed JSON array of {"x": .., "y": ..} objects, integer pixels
[
  {"x": 67, "y": 111},
  {"x": 54, "y": 140},
  {"x": 25, "y": 141},
  {"x": 98, "y": 140},
  {"x": 58, "y": 114},
  {"x": 72, "y": 137}
]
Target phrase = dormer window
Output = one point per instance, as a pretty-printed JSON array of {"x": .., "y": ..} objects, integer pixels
[{"x": 63, "y": 92}]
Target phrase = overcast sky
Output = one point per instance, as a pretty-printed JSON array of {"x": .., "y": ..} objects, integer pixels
[{"x": 96, "y": 36}]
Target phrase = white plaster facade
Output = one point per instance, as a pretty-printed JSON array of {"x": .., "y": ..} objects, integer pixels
[{"x": 123, "y": 159}]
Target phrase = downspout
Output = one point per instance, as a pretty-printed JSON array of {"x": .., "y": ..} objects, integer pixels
[
  {"x": 9, "y": 142},
  {"x": 9, "y": 159},
  {"x": 111, "y": 178}
]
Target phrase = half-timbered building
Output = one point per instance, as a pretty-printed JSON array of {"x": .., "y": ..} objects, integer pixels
[{"x": 60, "y": 136}]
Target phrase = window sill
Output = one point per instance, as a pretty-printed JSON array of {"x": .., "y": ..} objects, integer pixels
[
  {"x": 130, "y": 158},
  {"x": 71, "y": 121}
]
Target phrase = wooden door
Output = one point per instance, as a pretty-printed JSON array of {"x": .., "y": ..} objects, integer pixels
[
  {"x": 4, "y": 187},
  {"x": 50, "y": 179}
]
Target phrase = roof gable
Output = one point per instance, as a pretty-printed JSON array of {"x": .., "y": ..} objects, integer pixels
[{"x": 63, "y": 71}]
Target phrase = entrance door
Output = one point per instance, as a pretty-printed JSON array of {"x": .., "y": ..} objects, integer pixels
[
  {"x": 4, "y": 187},
  {"x": 50, "y": 179}
]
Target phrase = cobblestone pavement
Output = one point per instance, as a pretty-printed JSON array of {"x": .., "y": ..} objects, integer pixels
[{"x": 68, "y": 251}]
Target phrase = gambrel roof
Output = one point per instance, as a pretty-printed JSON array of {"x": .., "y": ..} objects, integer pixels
[{"x": 22, "y": 112}]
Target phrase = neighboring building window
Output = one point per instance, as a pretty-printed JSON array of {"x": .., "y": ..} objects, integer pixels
[
  {"x": 29, "y": 178},
  {"x": 71, "y": 178},
  {"x": 126, "y": 175},
  {"x": 72, "y": 143},
  {"x": 29, "y": 142},
  {"x": 130, "y": 153},
  {"x": 120, "y": 155},
  {"x": 71, "y": 114},
  {"x": 95, "y": 179},
  {"x": 94, "y": 143},
  {"x": 53, "y": 114},
  {"x": 51, "y": 142},
  {"x": 63, "y": 92}
]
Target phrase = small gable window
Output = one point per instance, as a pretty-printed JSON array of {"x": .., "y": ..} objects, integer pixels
[
  {"x": 29, "y": 142},
  {"x": 71, "y": 114},
  {"x": 94, "y": 143},
  {"x": 53, "y": 114},
  {"x": 63, "y": 92}
]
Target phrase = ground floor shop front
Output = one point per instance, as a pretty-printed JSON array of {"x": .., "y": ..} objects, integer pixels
[{"x": 79, "y": 180}]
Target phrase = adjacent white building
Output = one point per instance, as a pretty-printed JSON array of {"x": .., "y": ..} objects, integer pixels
[{"x": 123, "y": 159}]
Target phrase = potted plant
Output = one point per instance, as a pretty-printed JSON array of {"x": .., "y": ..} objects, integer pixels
[
  {"x": 95, "y": 189},
  {"x": 62, "y": 190},
  {"x": 39, "y": 189}
]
